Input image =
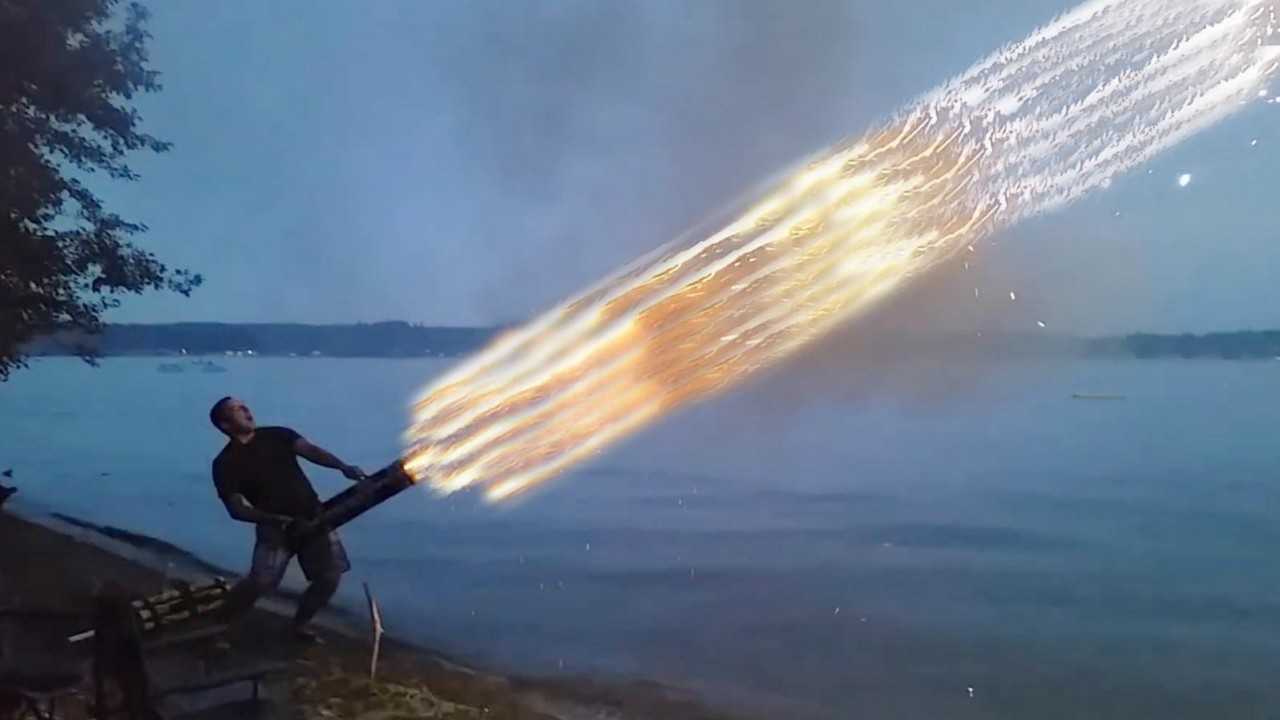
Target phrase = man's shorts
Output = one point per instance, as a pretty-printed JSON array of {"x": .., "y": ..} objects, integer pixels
[{"x": 322, "y": 557}]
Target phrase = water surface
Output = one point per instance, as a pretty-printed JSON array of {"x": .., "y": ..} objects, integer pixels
[{"x": 996, "y": 550}]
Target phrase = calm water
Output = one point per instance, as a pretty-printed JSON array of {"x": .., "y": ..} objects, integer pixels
[{"x": 995, "y": 550}]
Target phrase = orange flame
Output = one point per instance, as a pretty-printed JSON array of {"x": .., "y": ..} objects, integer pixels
[
  {"x": 1095, "y": 92},
  {"x": 699, "y": 318}
]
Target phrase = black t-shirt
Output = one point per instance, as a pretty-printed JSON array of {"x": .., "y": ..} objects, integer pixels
[{"x": 265, "y": 471}]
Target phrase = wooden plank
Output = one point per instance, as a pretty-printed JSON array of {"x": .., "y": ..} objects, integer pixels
[{"x": 169, "y": 640}]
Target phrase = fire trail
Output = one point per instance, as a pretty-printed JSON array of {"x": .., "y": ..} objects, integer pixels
[{"x": 1033, "y": 127}]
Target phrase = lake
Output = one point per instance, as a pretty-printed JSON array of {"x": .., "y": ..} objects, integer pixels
[{"x": 988, "y": 547}]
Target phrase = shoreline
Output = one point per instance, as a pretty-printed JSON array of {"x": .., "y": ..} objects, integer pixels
[{"x": 61, "y": 560}]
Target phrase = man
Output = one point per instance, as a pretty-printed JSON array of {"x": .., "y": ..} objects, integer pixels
[{"x": 258, "y": 479}]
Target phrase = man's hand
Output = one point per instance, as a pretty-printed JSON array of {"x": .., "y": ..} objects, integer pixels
[
  {"x": 353, "y": 473},
  {"x": 240, "y": 509}
]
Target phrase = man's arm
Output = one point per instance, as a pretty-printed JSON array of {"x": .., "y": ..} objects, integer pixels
[
  {"x": 322, "y": 457},
  {"x": 241, "y": 509}
]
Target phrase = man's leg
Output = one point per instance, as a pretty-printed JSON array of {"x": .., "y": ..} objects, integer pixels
[
  {"x": 316, "y": 597},
  {"x": 323, "y": 561},
  {"x": 270, "y": 559}
]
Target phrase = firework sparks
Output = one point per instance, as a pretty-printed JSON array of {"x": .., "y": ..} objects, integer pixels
[{"x": 1031, "y": 128}]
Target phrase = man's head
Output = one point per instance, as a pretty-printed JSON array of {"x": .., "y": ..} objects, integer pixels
[{"x": 232, "y": 417}]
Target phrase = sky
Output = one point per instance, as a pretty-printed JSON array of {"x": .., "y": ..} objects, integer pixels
[{"x": 473, "y": 163}]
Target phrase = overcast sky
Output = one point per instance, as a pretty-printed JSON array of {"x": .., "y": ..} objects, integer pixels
[{"x": 474, "y": 162}]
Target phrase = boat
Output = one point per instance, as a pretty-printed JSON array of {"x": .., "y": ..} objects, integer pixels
[
  {"x": 1097, "y": 396},
  {"x": 208, "y": 366}
]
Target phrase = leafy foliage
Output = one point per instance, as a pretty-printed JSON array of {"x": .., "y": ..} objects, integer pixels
[{"x": 69, "y": 70}]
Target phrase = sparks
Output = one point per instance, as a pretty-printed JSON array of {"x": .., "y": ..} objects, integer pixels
[{"x": 1098, "y": 91}]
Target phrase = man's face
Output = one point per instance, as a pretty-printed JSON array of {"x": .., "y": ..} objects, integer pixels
[{"x": 236, "y": 418}]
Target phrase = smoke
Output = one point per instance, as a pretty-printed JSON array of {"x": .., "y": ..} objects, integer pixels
[{"x": 587, "y": 114}]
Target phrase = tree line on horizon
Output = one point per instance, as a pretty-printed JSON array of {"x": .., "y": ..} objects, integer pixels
[
  {"x": 381, "y": 339},
  {"x": 1240, "y": 345}
]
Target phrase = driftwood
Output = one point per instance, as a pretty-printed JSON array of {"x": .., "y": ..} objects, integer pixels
[{"x": 375, "y": 627}]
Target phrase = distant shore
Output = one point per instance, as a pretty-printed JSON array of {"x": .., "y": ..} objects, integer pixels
[
  {"x": 56, "y": 562},
  {"x": 397, "y": 339},
  {"x": 1241, "y": 345},
  {"x": 382, "y": 339}
]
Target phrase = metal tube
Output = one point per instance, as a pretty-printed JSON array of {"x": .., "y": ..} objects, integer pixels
[{"x": 358, "y": 499}]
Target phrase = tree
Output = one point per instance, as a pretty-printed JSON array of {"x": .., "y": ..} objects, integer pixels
[{"x": 69, "y": 70}]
